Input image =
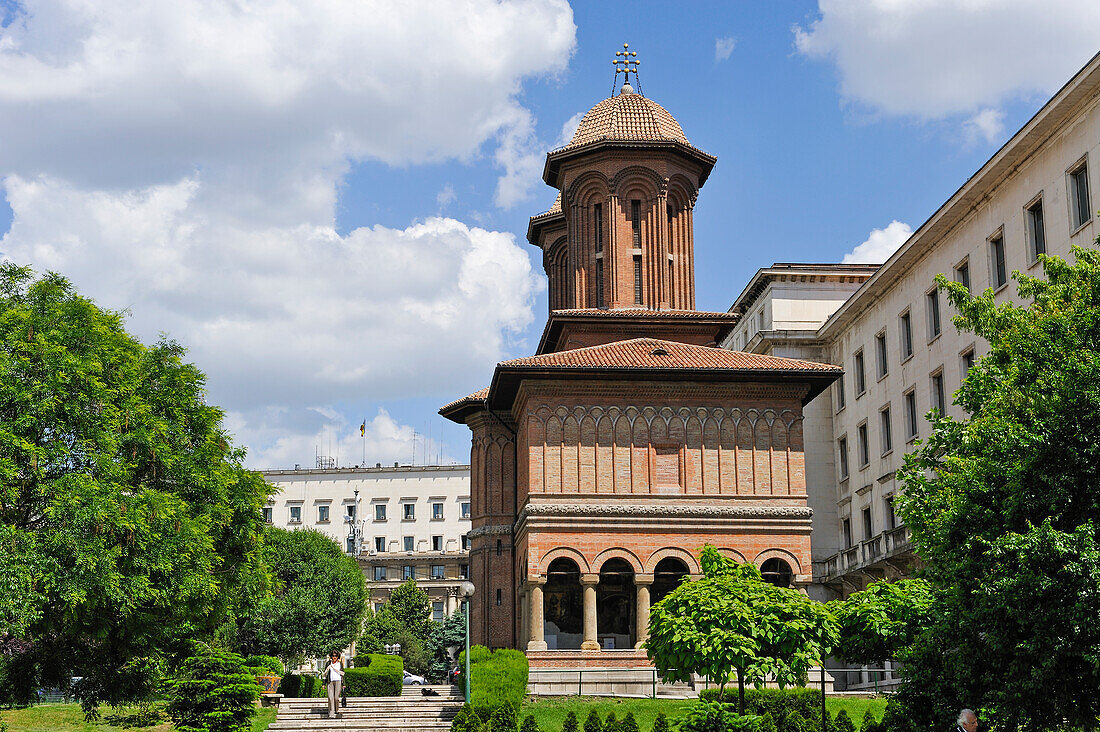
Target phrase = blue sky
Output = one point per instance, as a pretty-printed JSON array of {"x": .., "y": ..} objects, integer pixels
[{"x": 328, "y": 206}]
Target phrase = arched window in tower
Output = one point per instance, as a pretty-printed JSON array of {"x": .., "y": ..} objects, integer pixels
[
  {"x": 636, "y": 234},
  {"x": 597, "y": 215},
  {"x": 777, "y": 572},
  {"x": 671, "y": 267},
  {"x": 500, "y": 547}
]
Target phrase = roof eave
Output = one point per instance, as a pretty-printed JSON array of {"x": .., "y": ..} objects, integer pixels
[{"x": 552, "y": 168}]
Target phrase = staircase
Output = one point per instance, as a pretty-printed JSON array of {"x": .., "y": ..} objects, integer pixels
[{"x": 410, "y": 712}]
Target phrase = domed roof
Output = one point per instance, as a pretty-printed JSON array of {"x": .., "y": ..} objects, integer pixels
[{"x": 627, "y": 117}]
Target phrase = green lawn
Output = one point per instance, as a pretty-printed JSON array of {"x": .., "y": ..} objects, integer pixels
[
  {"x": 550, "y": 711},
  {"x": 68, "y": 718}
]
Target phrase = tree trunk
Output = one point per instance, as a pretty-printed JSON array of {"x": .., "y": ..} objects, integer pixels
[{"x": 740, "y": 692}]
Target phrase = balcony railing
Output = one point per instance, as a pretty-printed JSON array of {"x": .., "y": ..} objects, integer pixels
[{"x": 865, "y": 554}]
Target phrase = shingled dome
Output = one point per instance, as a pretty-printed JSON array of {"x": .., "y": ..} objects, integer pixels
[{"x": 627, "y": 116}]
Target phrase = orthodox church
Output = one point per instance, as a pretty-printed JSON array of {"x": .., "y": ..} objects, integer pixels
[{"x": 603, "y": 463}]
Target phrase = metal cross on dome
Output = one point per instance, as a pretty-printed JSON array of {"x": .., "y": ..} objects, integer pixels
[{"x": 626, "y": 63}]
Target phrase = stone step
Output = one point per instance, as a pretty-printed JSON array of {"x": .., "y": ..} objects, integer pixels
[{"x": 344, "y": 722}]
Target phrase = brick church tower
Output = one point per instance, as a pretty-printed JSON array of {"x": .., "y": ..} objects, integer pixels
[{"x": 602, "y": 464}]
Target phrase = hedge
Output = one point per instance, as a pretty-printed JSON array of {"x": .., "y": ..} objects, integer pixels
[
  {"x": 384, "y": 676},
  {"x": 497, "y": 679},
  {"x": 301, "y": 686},
  {"x": 793, "y": 710}
]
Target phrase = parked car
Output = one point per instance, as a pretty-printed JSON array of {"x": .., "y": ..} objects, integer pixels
[{"x": 414, "y": 679}]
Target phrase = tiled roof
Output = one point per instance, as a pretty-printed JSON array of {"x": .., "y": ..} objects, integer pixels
[
  {"x": 644, "y": 312},
  {"x": 627, "y": 117},
  {"x": 651, "y": 353},
  {"x": 478, "y": 396},
  {"x": 554, "y": 210}
]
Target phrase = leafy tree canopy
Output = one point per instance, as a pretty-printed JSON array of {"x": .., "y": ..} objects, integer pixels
[
  {"x": 878, "y": 623},
  {"x": 127, "y": 522},
  {"x": 1005, "y": 512},
  {"x": 405, "y": 618},
  {"x": 732, "y": 622},
  {"x": 319, "y": 601}
]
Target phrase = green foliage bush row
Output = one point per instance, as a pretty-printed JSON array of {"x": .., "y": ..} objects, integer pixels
[
  {"x": 301, "y": 686},
  {"x": 375, "y": 674},
  {"x": 497, "y": 678}
]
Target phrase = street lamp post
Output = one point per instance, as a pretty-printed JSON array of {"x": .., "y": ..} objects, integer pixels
[{"x": 467, "y": 590}]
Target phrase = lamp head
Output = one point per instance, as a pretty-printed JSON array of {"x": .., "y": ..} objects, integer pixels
[{"x": 467, "y": 589}]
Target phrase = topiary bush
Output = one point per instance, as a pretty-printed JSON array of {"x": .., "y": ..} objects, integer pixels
[
  {"x": 529, "y": 724},
  {"x": 212, "y": 693},
  {"x": 767, "y": 724},
  {"x": 709, "y": 716},
  {"x": 503, "y": 719},
  {"x": 611, "y": 724},
  {"x": 592, "y": 722},
  {"x": 870, "y": 723},
  {"x": 843, "y": 723},
  {"x": 497, "y": 678},
  {"x": 629, "y": 724},
  {"x": 301, "y": 686},
  {"x": 570, "y": 724},
  {"x": 382, "y": 676}
]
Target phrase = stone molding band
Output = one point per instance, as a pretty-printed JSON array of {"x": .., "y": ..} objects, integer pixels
[
  {"x": 598, "y": 509},
  {"x": 494, "y": 530}
]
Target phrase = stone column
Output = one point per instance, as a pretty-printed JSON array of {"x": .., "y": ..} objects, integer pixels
[
  {"x": 450, "y": 601},
  {"x": 591, "y": 642},
  {"x": 537, "y": 627},
  {"x": 641, "y": 622}
]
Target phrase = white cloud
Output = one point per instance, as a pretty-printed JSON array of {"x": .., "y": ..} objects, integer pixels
[
  {"x": 987, "y": 125},
  {"x": 183, "y": 160},
  {"x": 723, "y": 47},
  {"x": 932, "y": 59},
  {"x": 569, "y": 128},
  {"x": 880, "y": 244},
  {"x": 446, "y": 196}
]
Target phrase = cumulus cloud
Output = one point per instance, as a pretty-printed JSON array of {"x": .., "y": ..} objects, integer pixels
[
  {"x": 723, "y": 47},
  {"x": 184, "y": 159},
  {"x": 880, "y": 244},
  {"x": 933, "y": 59},
  {"x": 987, "y": 125}
]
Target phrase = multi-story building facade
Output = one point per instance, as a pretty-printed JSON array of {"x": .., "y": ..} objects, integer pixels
[
  {"x": 402, "y": 522},
  {"x": 891, "y": 329}
]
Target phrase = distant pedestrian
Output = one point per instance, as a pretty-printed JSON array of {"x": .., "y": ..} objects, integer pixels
[
  {"x": 967, "y": 721},
  {"x": 334, "y": 682}
]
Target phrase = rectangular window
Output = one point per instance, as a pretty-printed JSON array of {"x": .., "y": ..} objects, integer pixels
[
  {"x": 637, "y": 279},
  {"x": 861, "y": 377},
  {"x": 962, "y": 274},
  {"x": 408, "y": 572},
  {"x": 438, "y": 571},
  {"x": 1036, "y": 231},
  {"x": 966, "y": 359},
  {"x": 322, "y": 513},
  {"x": 500, "y": 596},
  {"x": 295, "y": 514},
  {"x": 437, "y": 611},
  {"x": 378, "y": 606},
  {"x": 1079, "y": 195},
  {"x": 887, "y": 433},
  {"x": 465, "y": 542},
  {"x": 846, "y": 532},
  {"x": 867, "y": 523},
  {"x": 939, "y": 397},
  {"x": 466, "y": 510},
  {"x": 349, "y": 509},
  {"x": 379, "y": 543},
  {"x": 379, "y": 574},
  {"x": 268, "y": 514},
  {"x": 636, "y": 223},
  {"x": 409, "y": 543},
  {"x": 599, "y": 283},
  {"x": 888, "y": 509},
  {"x": 379, "y": 512},
  {"x": 409, "y": 511},
  {"x": 597, "y": 220},
  {"x": 437, "y": 543},
  {"x": 906, "y": 335},
  {"x": 842, "y": 447},
  {"x": 933, "y": 301},
  {"x": 464, "y": 571},
  {"x": 839, "y": 388},
  {"x": 880, "y": 354},
  {"x": 437, "y": 512},
  {"x": 998, "y": 268},
  {"x": 911, "y": 414},
  {"x": 350, "y": 544},
  {"x": 862, "y": 446}
]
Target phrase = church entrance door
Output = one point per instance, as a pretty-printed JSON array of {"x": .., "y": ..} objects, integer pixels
[
  {"x": 564, "y": 605},
  {"x": 616, "y": 605}
]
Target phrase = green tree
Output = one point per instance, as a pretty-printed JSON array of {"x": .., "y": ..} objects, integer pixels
[
  {"x": 1005, "y": 514},
  {"x": 611, "y": 724},
  {"x": 660, "y": 724},
  {"x": 405, "y": 618},
  {"x": 732, "y": 623},
  {"x": 128, "y": 523},
  {"x": 570, "y": 724},
  {"x": 450, "y": 633},
  {"x": 629, "y": 723},
  {"x": 843, "y": 723},
  {"x": 529, "y": 724},
  {"x": 592, "y": 721},
  {"x": 878, "y": 623},
  {"x": 212, "y": 693},
  {"x": 319, "y": 601}
]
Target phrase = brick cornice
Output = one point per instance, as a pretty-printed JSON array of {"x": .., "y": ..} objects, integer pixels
[{"x": 659, "y": 511}]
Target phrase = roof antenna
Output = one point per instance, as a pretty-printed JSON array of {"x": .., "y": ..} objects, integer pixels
[{"x": 626, "y": 63}]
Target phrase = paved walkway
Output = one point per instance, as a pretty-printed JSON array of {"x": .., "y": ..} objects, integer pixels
[{"x": 411, "y": 712}]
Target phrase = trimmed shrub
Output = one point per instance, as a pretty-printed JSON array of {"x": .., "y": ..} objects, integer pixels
[
  {"x": 707, "y": 716},
  {"x": 767, "y": 724},
  {"x": 843, "y": 723},
  {"x": 503, "y": 718},
  {"x": 382, "y": 676},
  {"x": 660, "y": 724},
  {"x": 629, "y": 724},
  {"x": 778, "y": 702},
  {"x": 529, "y": 724},
  {"x": 570, "y": 723},
  {"x": 269, "y": 664},
  {"x": 212, "y": 693},
  {"x": 611, "y": 724},
  {"x": 796, "y": 722},
  {"x": 870, "y": 723},
  {"x": 301, "y": 686},
  {"x": 592, "y": 722},
  {"x": 497, "y": 679}
]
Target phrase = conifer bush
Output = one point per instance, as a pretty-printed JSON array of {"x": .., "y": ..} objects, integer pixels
[
  {"x": 870, "y": 724},
  {"x": 529, "y": 724},
  {"x": 592, "y": 722},
  {"x": 212, "y": 693},
  {"x": 504, "y": 719},
  {"x": 571, "y": 724},
  {"x": 843, "y": 723},
  {"x": 629, "y": 724},
  {"x": 611, "y": 724},
  {"x": 660, "y": 724}
]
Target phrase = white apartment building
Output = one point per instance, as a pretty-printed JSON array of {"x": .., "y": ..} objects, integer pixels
[
  {"x": 891, "y": 329},
  {"x": 402, "y": 522}
]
